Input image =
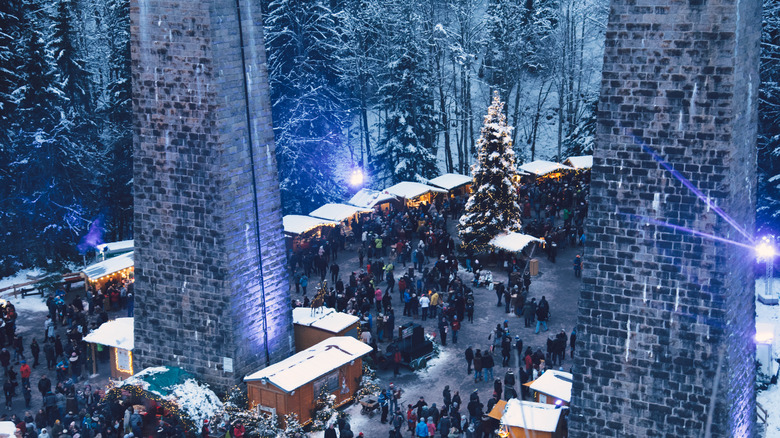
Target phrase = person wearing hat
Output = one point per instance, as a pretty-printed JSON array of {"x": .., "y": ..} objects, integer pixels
[{"x": 75, "y": 366}]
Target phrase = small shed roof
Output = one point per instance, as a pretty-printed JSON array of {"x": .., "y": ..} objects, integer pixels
[
  {"x": 116, "y": 247},
  {"x": 108, "y": 266},
  {"x": 368, "y": 198},
  {"x": 451, "y": 181},
  {"x": 531, "y": 416},
  {"x": 324, "y": 319},
  {"x": 119, "y": 333},
  {"x": 410, "y": 190},
  {"x": 542, "y": 167},
  {"x": 7, "y": 429},
  {"x": 556, "y": 384},
  {"x": 513, "y": 242},
  {"x": 338, "y": 212},
  {"x": 306, "y": 366},
  {"x": 298, "y": 224},
  {"x": 580, "y": 162}
]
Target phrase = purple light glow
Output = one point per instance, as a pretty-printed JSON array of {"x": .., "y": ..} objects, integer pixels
[{"x": 687, "y": 230}]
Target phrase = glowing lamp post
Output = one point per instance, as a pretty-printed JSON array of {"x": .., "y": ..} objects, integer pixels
[{"x": 765, "y": 251}]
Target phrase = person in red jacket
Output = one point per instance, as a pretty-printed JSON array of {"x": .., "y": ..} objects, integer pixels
[
  {"x": 25, "y": 371},
  {"x": 238, "y": 430}
]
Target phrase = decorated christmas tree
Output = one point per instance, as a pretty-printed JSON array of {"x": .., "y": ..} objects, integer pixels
[{"x": 494, "y": 207}]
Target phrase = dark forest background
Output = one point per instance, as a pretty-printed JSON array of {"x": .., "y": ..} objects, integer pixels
[{"x": 397, "y": 89}]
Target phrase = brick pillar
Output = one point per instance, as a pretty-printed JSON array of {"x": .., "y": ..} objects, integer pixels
[
  {"x": 666, "y": 317},
  {"x": 206, "y": 192}
]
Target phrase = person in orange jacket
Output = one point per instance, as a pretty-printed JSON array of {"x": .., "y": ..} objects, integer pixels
[{"x": 25, "y": 371}]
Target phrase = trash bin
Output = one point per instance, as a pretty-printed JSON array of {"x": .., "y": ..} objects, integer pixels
[{"x": 533, "y": 267}]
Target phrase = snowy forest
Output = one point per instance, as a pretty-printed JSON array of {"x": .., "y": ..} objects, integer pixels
[{"x": 396, "y": 89}]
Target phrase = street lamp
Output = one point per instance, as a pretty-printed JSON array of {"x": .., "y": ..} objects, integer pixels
[{"x": 766, "y": 251}]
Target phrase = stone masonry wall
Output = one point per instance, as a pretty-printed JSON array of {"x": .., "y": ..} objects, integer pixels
[
  {"x": 199, "y": 285},
  {"x": 666, "y": 316}
]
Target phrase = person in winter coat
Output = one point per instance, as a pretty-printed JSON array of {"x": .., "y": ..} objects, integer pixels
[
  {"x": 529, "y": 310},
  {"x": 330, "y": 432},
  {"x": 421, "y": 431},
  {"x": 238, "y": 430},
  {"x": 24, "y": 372},
  {"x": 478, "y": 366},
  {"x": 8, "y": 390},
  {"x": 35, "y": 349},
  {"x": 542, "y": 314},
  {"x": 444, "y": 426},
  {"x": 487, "y": 365},
  {"x": 51, "y": 357},
  {"x": 455, "y": 325}
]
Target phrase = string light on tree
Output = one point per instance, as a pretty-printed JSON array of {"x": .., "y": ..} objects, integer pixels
[{"x": 494, "y": 207}]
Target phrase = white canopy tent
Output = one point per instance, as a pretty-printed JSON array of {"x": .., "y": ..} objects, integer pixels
[
  {"x": 108, "y": 267},
  {"x": 411, "y": 190},
  {"x": 450, "y": 181},
  {"x": 338, "y": 212},
  {"x": 513, "y": 242},
  {"x": 542, "y": 167},
  {"x": 367, "y": 198},
  {"x": 580, "y": 162},
  {"x": 299, "y": 224}
]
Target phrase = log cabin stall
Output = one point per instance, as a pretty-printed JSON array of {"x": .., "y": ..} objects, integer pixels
[
  {"x": 373, "y": 199},
  {"x": 552, "y": 387},
  {"x": 413, "y": 193},
  {"x": 302, "y": 232},
  {"x": 292, "y": 386},
  {"x": 545, "y": 169},
  {"x": 344, "y": 214},
  {"x": 455, "y": 183},
  {"x": 582, "y": 162},
  {"x": 118, "y": 336},
  {"x": 521, "y": 419},
  {"x": 313, "y": 326},
  {"x": 116, "y": 268}
]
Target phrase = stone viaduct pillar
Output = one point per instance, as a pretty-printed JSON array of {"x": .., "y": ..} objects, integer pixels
[
  {"x": 211, "y": 289},
  {"x": 666, "y": 316}
]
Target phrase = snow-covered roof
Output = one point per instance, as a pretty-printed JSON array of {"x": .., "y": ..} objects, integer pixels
[
  {"x": 297, "y": 224},
  {"x": 451, "y": 181},
  {"x": 7, "y": 429},
  {"x": 556, "y": 384},
  {"x": 513, "y": 242},
  {"x": 108, "y": 266},
  {"x": 529, "y": 415},
  {"x": 411, "y": 190},
  {"x": 542, "y": 167},
  {"x": 338, "y": 212},
  {"x": 324, "y": 319},
  {"x": 306, "y": 366},
  {"x": 368, "y": 198},
  {"x": 581, "y": 162},
  {"x": 116, "y": 247},
  {"x": 118, "y": 333}
]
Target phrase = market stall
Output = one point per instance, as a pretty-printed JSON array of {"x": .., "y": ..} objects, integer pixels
[
  {"x": 455, "y": 183},
  {"x": 552, "y": 387},
  {"x": 302, "y": 232},
  {"x": 113, "y": 249},
  {"x": 414, "y": 193},
  {"x": 115, "y": 268},
  {"x": 545, "y": 169},
  {"x": 521, "y": 419},
  {"x": 582, "y": 162},
  {"x": 344, "y": 214},
  {"x": 292, "y": 386},
  {"x": 374, "y": 199},
  {"x": 118, "y": 336},
  {"x": 312, "y": 328},
  {"x": 513, "y": 242}
]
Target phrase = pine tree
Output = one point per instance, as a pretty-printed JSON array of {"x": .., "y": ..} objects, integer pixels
[{"x": 494, "y": 207}]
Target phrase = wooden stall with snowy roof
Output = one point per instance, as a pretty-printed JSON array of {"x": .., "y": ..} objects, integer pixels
[
  {"x": 455, "y": 183},
  {"x": 414, "y": 193},
  {"x": 312, "y": 328},
  {"x": 545, "y": 169},
  {"x": 552, "y": 387},
  {"x": 119, "y": 336},
  {"x": 521, "y": 419},
  {"x": 292, "y": 386},
  {"x": 301, "y": 231},
  {"x": 373, "y": 199},
  {"x": 115, "y": 268}
]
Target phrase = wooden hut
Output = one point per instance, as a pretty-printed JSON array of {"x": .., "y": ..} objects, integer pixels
[
  {"x": 545, "y": 169},
  {"x": 292, "y": 386},
  {"x": 552, "y": 387},
  {"x": 344, "y": 214},
  {"x": 373, "y": 199},
  {"x": 414, "y": 193},
  {"x": 521, "y": 419},
  {"x": 115, "y": 268},
  {"x": 455, "y": 183},
  {"x": 118, "y": 335},
  {"x": 311, "y": 328},
  {"x": 580, "y": 163},
  {"x": 301, "y": 232}
]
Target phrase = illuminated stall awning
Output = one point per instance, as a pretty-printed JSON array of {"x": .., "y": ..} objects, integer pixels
[
  {"x": 451, "y": 181},
  {"x": 531, "y": 416},
  {"x": 542, "y": 167},
  {"x": 299, "y": 224},
  {"x": 513, "y": 242},
  {"x": 338, "y": 212},
  {"x": 108, "y": 267},
  {"x": 306, "y": 366},
  {"x": 367, "y": 198},
  {"x": 581, "y": 162},
  {"x": 411, "y": 190},
  {"x": 118, "y": 333}
]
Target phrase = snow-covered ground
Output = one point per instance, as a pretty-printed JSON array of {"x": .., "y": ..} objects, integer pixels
[
  {"x": 31, "y": 303},
  {"x": 769, "y": 399}
]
